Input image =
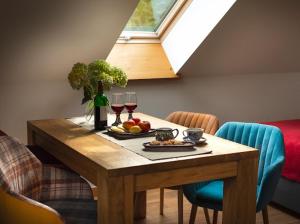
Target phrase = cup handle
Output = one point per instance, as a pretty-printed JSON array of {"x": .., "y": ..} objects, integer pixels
[{"x": 177, "y": 132}]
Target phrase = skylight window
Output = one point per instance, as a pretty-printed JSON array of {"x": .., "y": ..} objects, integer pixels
[
  {"x": 150, "y": 19},
  {"x": 149, "y": 15},
  {"x": 145, "y": 49}
]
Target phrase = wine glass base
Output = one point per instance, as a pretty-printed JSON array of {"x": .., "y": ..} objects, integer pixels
[{"x": 116, "y": 123}]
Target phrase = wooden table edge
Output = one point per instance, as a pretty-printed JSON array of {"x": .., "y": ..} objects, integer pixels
[{"x": 156, "y": 165}]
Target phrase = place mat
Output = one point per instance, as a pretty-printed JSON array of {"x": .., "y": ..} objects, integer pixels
[{"x": 136, "y": 145}]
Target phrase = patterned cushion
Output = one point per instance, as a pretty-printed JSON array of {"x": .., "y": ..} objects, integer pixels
[
  {"x": 65, "y": 191},
  {"x": 61, "y": 183},
  {"x": 20, "y": 170},
  {"x": 75, "y": 211}
]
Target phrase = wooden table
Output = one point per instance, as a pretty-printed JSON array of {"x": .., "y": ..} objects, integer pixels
[{"x": 119, "y": 173}]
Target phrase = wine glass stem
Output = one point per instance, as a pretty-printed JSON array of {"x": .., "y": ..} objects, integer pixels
[
  {"x": 130, "y": 115},
  {"x": 118, "y": 120}
]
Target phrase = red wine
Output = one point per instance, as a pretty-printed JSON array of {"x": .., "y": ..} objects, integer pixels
[
  {"x": 117, "y": 108},
  {"x": 130, "y": 107}
]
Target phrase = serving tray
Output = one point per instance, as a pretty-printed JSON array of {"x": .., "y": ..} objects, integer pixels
[
  {"x": 127, "y": 135},
  {"x": 187, "y": 146}
]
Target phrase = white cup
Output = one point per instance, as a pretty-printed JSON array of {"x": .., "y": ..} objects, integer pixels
[{"x": 194, "y": 134}]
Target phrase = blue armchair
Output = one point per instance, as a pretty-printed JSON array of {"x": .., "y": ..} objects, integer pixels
[{"x": 269, "y": 141}]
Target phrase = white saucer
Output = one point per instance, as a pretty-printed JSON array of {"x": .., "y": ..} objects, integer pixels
[{"x": 201, "y": 141}]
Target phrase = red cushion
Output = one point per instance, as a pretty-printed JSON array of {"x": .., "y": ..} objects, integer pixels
[{"x": 291, "y": 133}]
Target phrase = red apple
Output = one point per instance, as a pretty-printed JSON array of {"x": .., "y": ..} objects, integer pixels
[
  {"x": 145, "y": 126},
  {"x": 128, "y": 124},
  {"x": 136, "y": 120}
]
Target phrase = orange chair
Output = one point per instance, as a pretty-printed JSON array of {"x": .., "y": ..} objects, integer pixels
[
  {"x": 15, "y": 208},
  {"x": 210, "y": 124}
]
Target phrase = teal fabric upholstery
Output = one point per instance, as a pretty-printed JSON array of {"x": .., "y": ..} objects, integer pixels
[{"x": 269, "y": 141}]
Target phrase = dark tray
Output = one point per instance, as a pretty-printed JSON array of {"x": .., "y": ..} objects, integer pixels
[
  {"x": 187, "y": 146},
  {"x": 127, "y": 135}
]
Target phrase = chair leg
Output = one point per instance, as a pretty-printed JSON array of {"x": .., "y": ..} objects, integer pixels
[
  {"x": 206, "y": 215},
  {"x": 193, "y": 214},
  {"x": 265, "y": 215},
  {"x": 162, "y": 195},
  {"x": 180, "y": 206},
  {"x": 215, "y": 217}
]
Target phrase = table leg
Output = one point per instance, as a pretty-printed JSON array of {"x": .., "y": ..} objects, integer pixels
[
  {"x": 239, "y": 204},
  {"x": 115, "y": 200},
  {"x": 140, "y": 205}
]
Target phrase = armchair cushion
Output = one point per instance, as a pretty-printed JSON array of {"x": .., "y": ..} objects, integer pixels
[
  {"x": 20, "y": 170},
  {"x": 59, "y": 183},
  {"x": 211, "y": 194},
  {"x": 22, "y": 174}
]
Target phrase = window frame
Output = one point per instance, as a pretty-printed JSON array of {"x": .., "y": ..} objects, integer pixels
[{"x": 153, "y": 37}]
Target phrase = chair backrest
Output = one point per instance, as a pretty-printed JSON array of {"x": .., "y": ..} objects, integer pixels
[
  {"x": 208, "y": 122},
  {"x": 269, "y": 141},
  {"x": 15, "y": 208},
  {"x": 20, "y": 170}
]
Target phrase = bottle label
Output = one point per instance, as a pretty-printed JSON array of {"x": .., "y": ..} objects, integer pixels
[{"x": 103, "y": 112}]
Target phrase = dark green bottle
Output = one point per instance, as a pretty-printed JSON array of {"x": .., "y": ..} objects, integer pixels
[{"x": 100, "y": 103}]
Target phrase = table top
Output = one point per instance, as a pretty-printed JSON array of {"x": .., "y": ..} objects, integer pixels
[{"x": 116, "y": 160}]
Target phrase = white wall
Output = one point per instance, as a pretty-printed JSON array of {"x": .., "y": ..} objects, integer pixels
[
  {"x": 40, "y": 41},
  {"x": 237, "y": 97},
  {"x": 247, "y": 69}
]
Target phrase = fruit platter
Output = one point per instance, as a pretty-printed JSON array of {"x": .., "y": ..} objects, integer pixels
[{"x": 133, "y": 128}]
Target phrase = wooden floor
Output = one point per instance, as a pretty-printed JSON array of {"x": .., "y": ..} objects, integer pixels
[{"x": 276, "y": 216}]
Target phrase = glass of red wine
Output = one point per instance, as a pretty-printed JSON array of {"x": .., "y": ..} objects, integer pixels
[
  {"x": 117, "y": 105},
  {"x": 130, "y": 103}
]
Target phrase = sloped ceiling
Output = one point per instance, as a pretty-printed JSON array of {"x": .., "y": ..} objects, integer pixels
[
  {"x": 40, "y": 40},
  {"x": 240, "y": 72},
  {"x": 247, "y": 69},
  {"x": 255, "y": 37},
  {"x": 40, "y": 34}
]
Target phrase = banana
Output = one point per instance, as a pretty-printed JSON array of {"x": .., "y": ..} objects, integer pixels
[
  {"x": 121, "y": 127},
  {"x": 117, "y": 129}
]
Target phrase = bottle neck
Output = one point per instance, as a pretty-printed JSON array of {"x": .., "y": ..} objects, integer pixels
[{"x": 100, "y": 88}]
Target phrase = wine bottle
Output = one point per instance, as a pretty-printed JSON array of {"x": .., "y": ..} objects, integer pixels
[{"x": 100, "y": 104}]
